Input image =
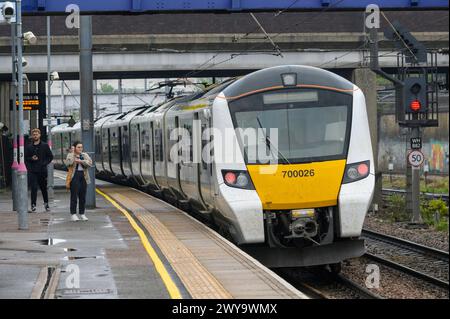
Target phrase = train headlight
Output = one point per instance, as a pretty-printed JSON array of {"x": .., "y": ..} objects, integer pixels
[
  {"x": 357, "y": 171},
  {"x": 289, "y": 79},
  {"x": 237, "y": 179},
  {"x": 242, "y": 180}
]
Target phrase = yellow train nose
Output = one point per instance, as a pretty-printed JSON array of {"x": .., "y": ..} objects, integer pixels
[{"x": 298, "y": 185}]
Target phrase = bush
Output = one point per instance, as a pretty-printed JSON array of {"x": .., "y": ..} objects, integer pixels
[
  {"x": 396, "y": 208},
  {"x": 432, "y": 209}
]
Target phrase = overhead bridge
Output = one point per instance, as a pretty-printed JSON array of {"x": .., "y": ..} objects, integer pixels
[
  {"x": 136, "y": 6},
  {"x": 129, "y": 65}
]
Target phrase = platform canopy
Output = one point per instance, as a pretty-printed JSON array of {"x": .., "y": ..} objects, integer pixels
[{"x": 45, "y": 7}]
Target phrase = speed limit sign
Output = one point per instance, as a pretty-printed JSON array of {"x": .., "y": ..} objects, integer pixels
[{"x": 416, "y": 158}]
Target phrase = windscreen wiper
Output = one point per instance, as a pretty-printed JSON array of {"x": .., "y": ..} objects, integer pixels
[{"x": 269, "y": 143}]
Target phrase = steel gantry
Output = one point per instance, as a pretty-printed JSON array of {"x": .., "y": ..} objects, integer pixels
[{"x": 133, "y": 6}]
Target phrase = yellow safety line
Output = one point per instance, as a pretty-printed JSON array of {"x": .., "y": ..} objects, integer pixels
[{"x": 160, "y": 268}]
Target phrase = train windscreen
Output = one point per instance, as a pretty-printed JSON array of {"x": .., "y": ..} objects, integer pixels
[{"x": 293, "y": 125}]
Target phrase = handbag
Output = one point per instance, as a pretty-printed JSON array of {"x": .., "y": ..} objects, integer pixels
[{"x": 69, "y": 176}]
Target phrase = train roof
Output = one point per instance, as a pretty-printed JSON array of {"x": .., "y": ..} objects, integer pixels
[
  {"x": 306, "y": 76},
  {"x": 124, "y": 117},
  {"x": 104, "y": 119},
  {"x": 60, "y": 128}
]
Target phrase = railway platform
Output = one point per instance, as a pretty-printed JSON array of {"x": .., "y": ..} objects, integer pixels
[{"x": 133, "y": 246}]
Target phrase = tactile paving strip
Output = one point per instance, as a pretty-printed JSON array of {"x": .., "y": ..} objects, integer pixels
[{"x": 200, "y": 283}]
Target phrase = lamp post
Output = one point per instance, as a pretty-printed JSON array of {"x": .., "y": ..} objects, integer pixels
[
  {"x": 15, "y": 164},
  {"x": 50, "y": 168},
  {"x": 22, "y": 183}
]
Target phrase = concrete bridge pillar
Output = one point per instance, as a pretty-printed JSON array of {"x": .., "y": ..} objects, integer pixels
[{"x": 366, "y": 80}]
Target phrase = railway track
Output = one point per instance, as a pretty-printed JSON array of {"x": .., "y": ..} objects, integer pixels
[
  {"x": 321, "y": 284},
  {"x": 389, "y": 191},
  {"x": 425, "y": 263}
]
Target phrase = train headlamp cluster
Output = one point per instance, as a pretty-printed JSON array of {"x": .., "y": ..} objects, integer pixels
[
  {"x": 237, "y": 179},
  {"x": 357, "y": 171}
]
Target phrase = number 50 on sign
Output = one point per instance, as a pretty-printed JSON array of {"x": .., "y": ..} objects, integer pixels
[{"x": 416, "y": 158}]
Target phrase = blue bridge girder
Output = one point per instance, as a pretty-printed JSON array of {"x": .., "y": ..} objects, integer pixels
[{"x": 143, "y": 6}]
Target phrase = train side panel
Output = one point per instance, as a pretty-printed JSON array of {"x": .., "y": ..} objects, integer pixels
[{"x": 355, "y": 198}]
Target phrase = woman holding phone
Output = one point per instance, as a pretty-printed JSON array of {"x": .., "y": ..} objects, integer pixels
[{"x": 78, "y": 179}]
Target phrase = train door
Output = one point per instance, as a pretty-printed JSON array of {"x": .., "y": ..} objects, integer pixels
[
  {"x": 125, "y": 151},
  {"x": 205, "y": 168},
  {"x": 110, "y": 149},
  {"x": 105, "y": 149},
  {"x": 66, "y": 143},
  {"x": 139, "y": 166},
  {"x": 56, "y": 149},
  {"x": 172, "y": 164},
  {"x": 160, "y": 168},
  {"x": 134, "y": 152},
  {"x": 119, "y": 150},
  {"x": 152, "y": 154},
  {"x": 145, "y": 151},
  {"x": 61, "y": 148},
  {"x": 187, "y": 167},
  {"x": 98, "y": 149}
]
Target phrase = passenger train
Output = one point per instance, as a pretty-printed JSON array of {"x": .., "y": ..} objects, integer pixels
[{"x": 301, "y": 203}]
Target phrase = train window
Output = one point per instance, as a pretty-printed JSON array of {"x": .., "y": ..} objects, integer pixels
[
  {"x": 204, "y": 143},
  {"x": 159, "y": 155},
  {"x": 188, "y": 140}
]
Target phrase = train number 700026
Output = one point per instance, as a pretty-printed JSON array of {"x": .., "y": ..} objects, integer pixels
[{"x": 299, "y": 173}]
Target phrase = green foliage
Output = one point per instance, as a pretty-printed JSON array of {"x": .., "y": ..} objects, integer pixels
[
  {"x": 106, "y": 88},
  {"x": 435, "y": 213},
  {"x": 396, "y": 208},
  {"x": 437, "y": 187},
  {"x": 442, "y": 226},
  {"x": 435, "y": 184}
]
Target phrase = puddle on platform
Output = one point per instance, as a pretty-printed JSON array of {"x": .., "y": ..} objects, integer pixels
[
  {"x": 49, "y": 241},
  {"x": 86, "y": 257}
]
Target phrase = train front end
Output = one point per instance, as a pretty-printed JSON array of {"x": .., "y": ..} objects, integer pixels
[{"x": 302, "y": 177}]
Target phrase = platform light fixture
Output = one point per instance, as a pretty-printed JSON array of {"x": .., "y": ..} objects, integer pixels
[
  {"x": 54, "y": 76},
  {"x": 30, "y": 38}
]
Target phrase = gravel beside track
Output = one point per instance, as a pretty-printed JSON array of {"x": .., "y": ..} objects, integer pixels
[
  {"x": 426, "y": 237},
  {"x": 393, "y": 284}
]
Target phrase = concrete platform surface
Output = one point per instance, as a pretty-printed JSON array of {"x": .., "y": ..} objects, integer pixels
[{"x": 105, "y": 251}]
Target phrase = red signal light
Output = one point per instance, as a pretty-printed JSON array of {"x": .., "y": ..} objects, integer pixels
[{"x": 415, "y": 105}]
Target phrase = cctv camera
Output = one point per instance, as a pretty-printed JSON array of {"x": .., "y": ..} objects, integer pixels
[
  {"x": 8, "y": 10},
  {"x": 54, "y": 76},
  {"x": 24, "y": 62},
  {"x": 30, "y": 37}
]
